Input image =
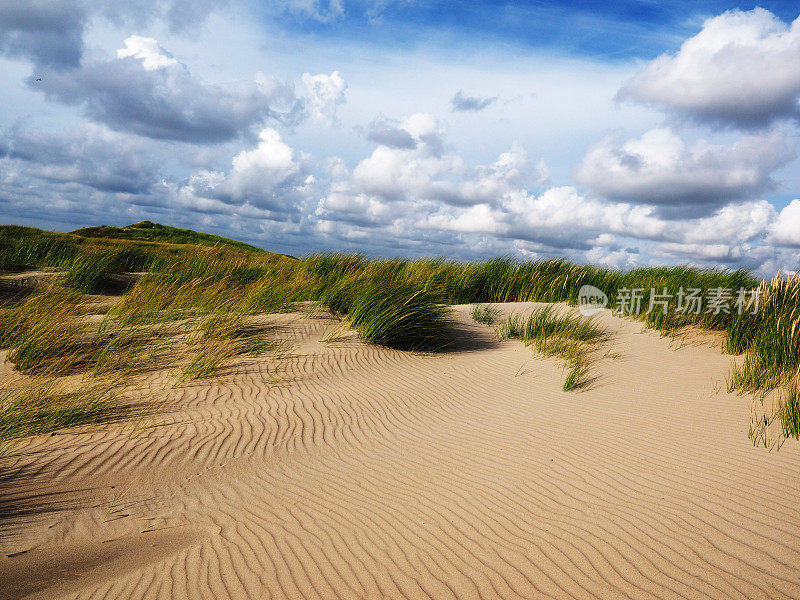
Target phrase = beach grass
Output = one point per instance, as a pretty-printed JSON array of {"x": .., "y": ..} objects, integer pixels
[
  {"x": 485, "y": 314},
  {"x": 46, "y": 333},
  {"x": 552, "y": 333},
  {"x": 789, "y": 411},
  {"x": 395, "y": 302},
  {"x": 395, "y": 314},
  {"x": 48, "y": 405}
]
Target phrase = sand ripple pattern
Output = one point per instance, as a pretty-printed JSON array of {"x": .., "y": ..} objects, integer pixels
[{"x": 345, "y": 471}]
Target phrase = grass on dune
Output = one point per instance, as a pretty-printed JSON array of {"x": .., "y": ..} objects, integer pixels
[
  {"x": 395, "y": 302},
  {"x": 26, "y": 247},
  {"x": 44, "y": 406},
  {"x": 482, "y": 313},
  {"x": 46, "y": 333},
  {"x": 156, "y": 232},
  {"x": 379, "y": 303},
  {"x": 93, "y": 271},
  {"x": 789, "y": 411},
  {"x": 217, "y": 338},
  {"x": 164, "y": 321},
  {"x": 771, "y": 346},
  {"x": 568, "y": 336},
  {"x": 772, "y": 352},
  {"x": 395, "y": 314}
]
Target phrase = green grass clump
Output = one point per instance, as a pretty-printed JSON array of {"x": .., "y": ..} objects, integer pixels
[
  {"x": 88, "y": 272},
  {"x": 177, "y": 290},
  {"x": 568, "y": 336},
  {"x": 217, "y": 338},
  {"x": 772, "y": 348},
  {"x": 484, "y": 314},
  {"x": 395, "y": 314},
  {"x": 25, "y": 247},
  {"x": 578, "y": 377},
  {"x": 771, "y": 344},
  {"x": 92, "y": 271},
  {"x": 46, "y": 333}
]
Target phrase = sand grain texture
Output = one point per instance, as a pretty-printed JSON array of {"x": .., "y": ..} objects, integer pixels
[{"x": 350, "y": 471}]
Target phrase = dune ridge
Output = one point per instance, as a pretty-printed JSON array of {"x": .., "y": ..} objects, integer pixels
[{"x": 343, "y": 470}]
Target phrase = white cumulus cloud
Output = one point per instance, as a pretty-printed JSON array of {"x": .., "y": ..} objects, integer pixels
[
  {"x": 786, "y": 230},
  {"x": 743, "y": 68},
  {"x": 266, "y": 166},
  {"x": 271, "y": 177},
  {"x": 660, "y": 168},
  {"x": 147, "y": 51}
]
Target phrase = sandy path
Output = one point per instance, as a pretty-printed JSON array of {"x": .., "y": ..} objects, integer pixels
[{"x": 362, "y": 472}]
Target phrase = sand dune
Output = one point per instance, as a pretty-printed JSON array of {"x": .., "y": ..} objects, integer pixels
[{"x": 341, "y": 470}]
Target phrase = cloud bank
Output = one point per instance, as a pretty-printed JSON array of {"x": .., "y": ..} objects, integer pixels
[{"x": 138, "y": 112}]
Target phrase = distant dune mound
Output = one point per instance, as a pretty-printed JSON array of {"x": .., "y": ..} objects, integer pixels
[{"x": 156, "y": 232}]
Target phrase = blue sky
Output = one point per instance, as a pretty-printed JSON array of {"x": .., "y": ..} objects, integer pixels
[
  {"x": 603, "y": 30},
  {"x": 627, "y": 133}
]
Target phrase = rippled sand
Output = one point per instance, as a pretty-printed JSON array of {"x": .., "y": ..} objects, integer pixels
[{"x": 341, "y": 470}]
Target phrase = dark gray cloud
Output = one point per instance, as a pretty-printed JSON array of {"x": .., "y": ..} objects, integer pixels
[
  {"x": 50, "y": 32},
  {"x": 552, "y": 241},
  {"x": 90, "y": 156},
  {"x": 167, "y": 103},
  {"x": 180, "y": 15},
  {"x": 387, "y": 133},
  {"x": 463, "y": 103}
]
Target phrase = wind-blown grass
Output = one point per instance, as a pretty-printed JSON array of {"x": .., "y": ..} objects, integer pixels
[
  {"x": 789, "y": 411},
  {"x": 485, "y": 314},
  {"x": 394, "y": 314},
  {"x": 22, "y": 247},
  {"x": 46, "y": 333},
  {"x": 395, "y": 302},
  {"x": 47, "y": 405},
  {"x": 772, "y": 353},
  {"x": 571, "y": 337},
  {"x": 770, "y": 340},
  {"x": 217, "y": 338},
  {"x": 88, "y": 272}
]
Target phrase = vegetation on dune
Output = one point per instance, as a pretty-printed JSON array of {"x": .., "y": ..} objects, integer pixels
[
  {"x": 789, "y": 411},
  {"x": 88, "y": 259},
  {"x": 395, "y": 314},
  {"x": 45, "y": 334},
  {"x": 26, "y": 247},
  {"x": 485, "y": 314},
  {"x": 194, "y": 305},
  {"x": 44, "y": 406},
  {"x": 570, "y": 337},
  {"x": 155, "y": 232}
]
